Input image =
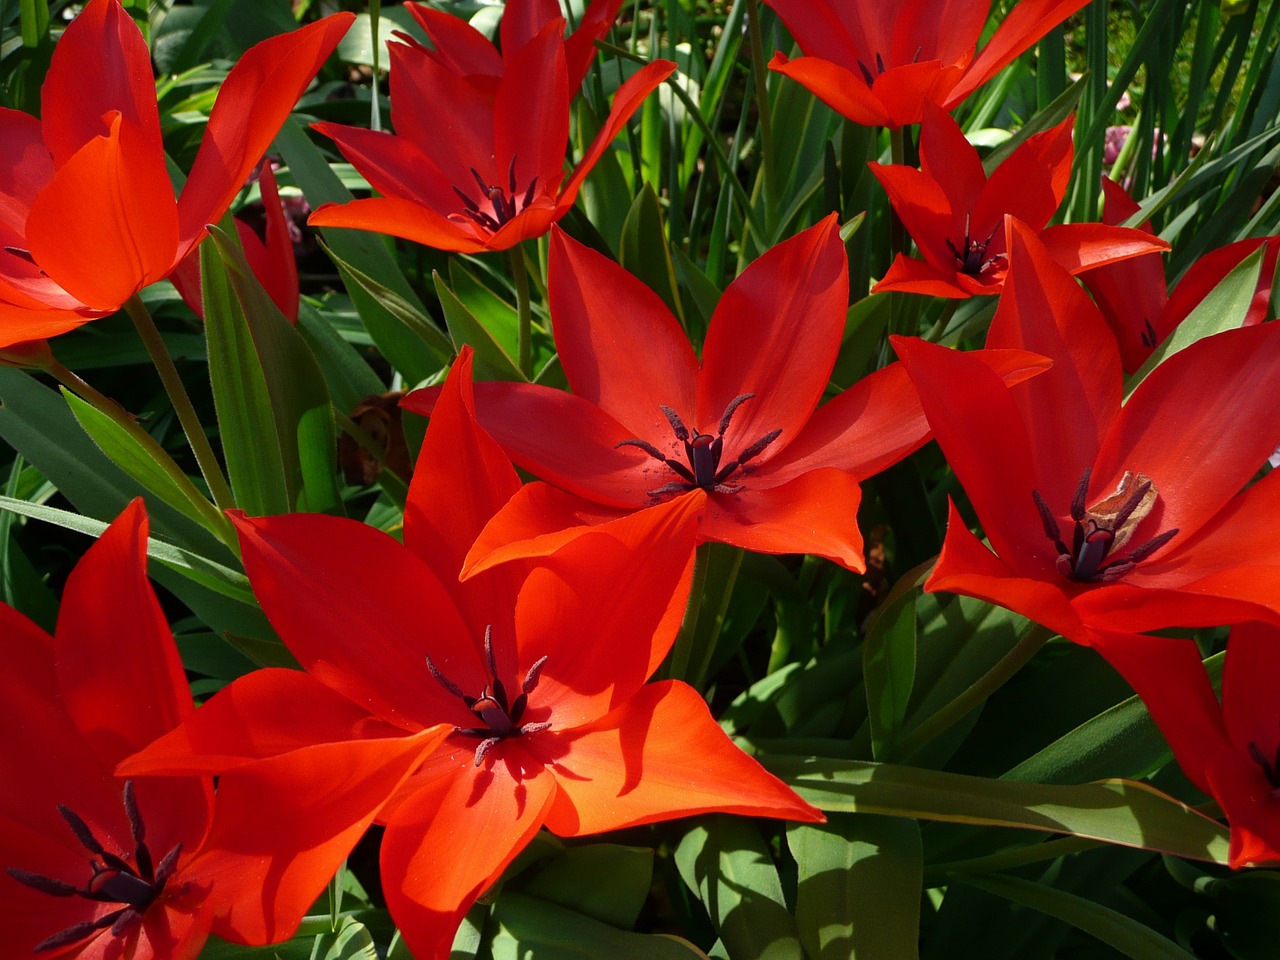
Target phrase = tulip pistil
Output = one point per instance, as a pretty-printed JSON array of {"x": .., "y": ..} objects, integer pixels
[
  {"x": 971, "y": 255},
  {"x": 501, "y": 717},
  {"x": 502, "y": 202},
  {"x": 702, "y": 470},
  {"x": 114, "y": 879},
  {"x": 1103, "y": 529}
]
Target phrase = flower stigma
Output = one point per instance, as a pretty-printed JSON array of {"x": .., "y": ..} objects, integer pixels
[
  {"x": 502, "y": 203},
  {"x": 1104, "y": 529},
  {"x": 702, "y": 469},
  {"x": 113, "y": 879},
  {"x": 971, "y": 255},
  {"x": 501, "y": 717}
]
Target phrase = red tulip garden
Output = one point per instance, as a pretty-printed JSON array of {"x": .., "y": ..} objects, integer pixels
[{"x": 743, "y": 479}]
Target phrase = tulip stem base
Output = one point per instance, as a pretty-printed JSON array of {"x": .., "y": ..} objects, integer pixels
[
  {"x": 181, "y": 400},
  {"x": 715, "y": 571}
]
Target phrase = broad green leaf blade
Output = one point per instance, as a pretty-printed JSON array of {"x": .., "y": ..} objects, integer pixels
[
  {"x": 533, "y": 929},
  {"x": 860, "y": 882},
  {"x": 1122, "y": 933},
  {"x": 1115, "y": 811},
  {"x": 350, "y": 941},
  {"x": 1224, "y": 308},
  {"x": 136, "y": 453},
  {"x": 889, "y": 669},
  {"x": 644, "y": 253},
  {"x": 349, "y": 378},
  {"x": 492, "y": 358},
  {"x": 605, "y": 881},
  {"x": 727, "y": 864}
]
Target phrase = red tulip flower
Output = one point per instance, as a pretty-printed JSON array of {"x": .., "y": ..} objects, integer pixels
[
  {"x": 87, "y": 212},
  {"x": 1230, "y": 751},
  {"x": 1134, "y": 297},
  {"x": 956, "y": 215},
  {"x": 538, "y": 671},
  {"x": 271, "y": 260},
  {"x": 477, "y": 160},
  {"x": 1103, "y": 515},
  {"x": 878, "y": 64},
  {"x": 739, "y": 431},
  {"x": 96, "y": 866}
]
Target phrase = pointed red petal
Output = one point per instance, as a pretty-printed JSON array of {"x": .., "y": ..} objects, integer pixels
[
  {"x": 474, "y": 821},
  {"x": 625, "y": 102},
  {"x": 254, "y": 101},
  {"x": 276, "y": 268},
  {"x": 659, "y": 756},
  {"x": 1248, "y": 687},
  {"x": 1031, "y": 182},
  {"x": 106, "y": 225},
  {"x": 1084, "y": 247},
  {"x": 927, "y": 212},
  {"x": 840, "y": 89},
  {"x": 284, "y": 825},
  {"x": 1208, "y": 271},
  {"x": 909, "y": 275},
  {"x": 395, "y": 166},
  {"x": 952, "y": 162},
  {"x": 379, "y": 600},
  {"x": 523, "y": 19},
  {"x": 403, "y": 218},
  {"x": 775, "y": 333},
  {"x": 580, "y": 46},
  {"x": 122, "y": 698},
  {"x": 457, "y": 44},
  {"x": 531, "y": 112},
  {"x": 100, "y": 66},
  {"x": 817, "y": 512},
  {"x": 604, "y": 610},
  {"x": 823, "y": 31},
  {"x": 619, "y": 345},
  {"x": 27, "y": 168},
  {"x": 904, "y": 90}
]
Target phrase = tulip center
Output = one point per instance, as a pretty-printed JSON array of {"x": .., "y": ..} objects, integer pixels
[
  {"x": 500, "y": 716},
  {"x": 1101, "y": 533},
  {"x": 496, "y": 206},
  {"x": 134, "y": 882},
  {"x": 1270, "y": 767},
  {"x": 702, "y": 469},
  {"x": 971, "y": 255},
  {"x": 870, "y": 77}
]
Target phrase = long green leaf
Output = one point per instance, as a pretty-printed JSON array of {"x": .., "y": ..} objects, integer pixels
[{"x": 533, "y": 929}]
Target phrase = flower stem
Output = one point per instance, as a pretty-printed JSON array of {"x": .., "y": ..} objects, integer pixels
[
  {"x": 85, "y": 391},
  {"x": 524, "y": 331},
  {"x": 715, "y": 571},
  {"x": 181, "y": 401},
  {"x": 976, "y": 693},
  {"x": 762, "y": 100}
]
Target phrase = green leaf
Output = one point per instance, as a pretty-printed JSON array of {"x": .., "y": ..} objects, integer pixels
[
  {"x": 1115, "y": 811},
  {"x": 533, "y": 929},
  {"x": 1122, "y": 933},
  {"x": 727, "y": 864},
  {"x": 1224, "y": 308},
  {"x": 493, "y": 360},
  {"x": 351, "y": 941},
  {"x": 643, "y": 250},
  {"x": 860, "y": 882},
  {"x": 889, "y": 668},
  {"x": 1247, "y": 914},
  {"x": 605, "y": 881}
]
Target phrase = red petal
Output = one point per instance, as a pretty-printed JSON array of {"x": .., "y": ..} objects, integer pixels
[
  {"x": 394, "y": 166},
  {"x": 952, "y": 162},
  {"x": 927, "y": 212},
  {"x": 403, "y": 218},
  {"x": 604, "y": 610},
  {"x": 365, "y": 640},
  {"x": 276, "y": 268},
  {"x": 1198, "y": 427},
  {"x": 100, "y": 66},
  {"x": 1069, "y": 408},
  {"x": 840, "y": 89},
  {"x": 625, "y": 102},
  {"x": 775, "y": 333},
  {"x": 253, "y": 103},
  {"x": 1208, "y": 271},
  {"x": 457, "y": 44},
  {"x": 817, "y": 512},
  {"x": 106, "y": 225},
  {"x": 909, "y": 275},
  {"x": 1081, "y": 247},
  {"x": 522, "y": 20},
  {"x": 619, "y": 345},
  {"x": 1248, "y": 687},
  {"x": 175, "y": 929},
  {"x": 659, "y": 756},
  {"x": 472, "y": 821},
  {"x": 531, "y": 113},
  {"x": 284, "y": 825},
  {"x": 1031, "y": 182},
  {"x": 980, "y": 429},
  {"x": 27, "y": 168},
  {"x": 823, "y": 31},
  {"x": 580, "y": 47},
  {"x": 121, "y": 696},
  {"x": 904, "y": 90}
]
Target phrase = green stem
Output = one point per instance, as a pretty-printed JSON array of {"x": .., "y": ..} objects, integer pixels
[
  {"x": 682, "y": 649},
  {"x": 85, "y": 391},
  {"x": 715, "y": 570},
  {"x": 758, "y": 72},
  {"x": 181, "y": 401},
  {"x": 524, "y": 331},
  {"x": 940, "y": 325},
  {"x": 976, "y": 693}
]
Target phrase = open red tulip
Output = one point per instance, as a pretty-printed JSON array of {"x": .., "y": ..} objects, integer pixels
[
  {"x": 878, "y": 64},
  {"x": 1105, "y": 515},
  {"x": 87, "y": 212},
  {"x": 477, "y": 160},
  {"x": 956, "y": 214},
  {"x": 537, "y": 670}
]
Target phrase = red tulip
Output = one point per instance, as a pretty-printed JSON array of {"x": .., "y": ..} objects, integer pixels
[
  {"x": 477, "y": 162},
  {"x": 1103, "y": 515},
  {"x": 956, "y": 215},
  {"x": 87, "y": 212},
  {"x": 879, "y": 64},
  {"x": 537, "y": 671}
]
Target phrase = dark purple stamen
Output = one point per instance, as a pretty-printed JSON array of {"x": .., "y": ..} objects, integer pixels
[
  {"x": 702, "y": 470},
  {"x": 971, "y": 256},
  {"x": 21, "y": 254},
  {"x": 870, "y": 77},
  {"x": 1103, "y": 530},
  {"x": 1148, "y": 333},
  {"x": 501, "y": 718},
  {"x": 503, "y": 202},
  {"x": 135, "y": 886}
]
